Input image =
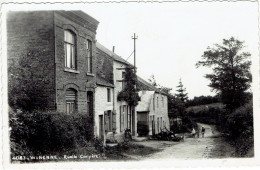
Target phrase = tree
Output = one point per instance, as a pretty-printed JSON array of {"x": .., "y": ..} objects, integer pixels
[
  {"x": 231, "y": 77},
  {"x": 129, "y": 93},
  {"x": 24, "y": 89},
  {"x": 181, "y": 95},
  {"x": 153, "y": 81},
  {"x": 181, "y": 98},
  {"x": 155, "y": 84}
]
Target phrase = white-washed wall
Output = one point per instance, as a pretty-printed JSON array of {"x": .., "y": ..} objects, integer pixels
[{"x": 101, "y": 105}]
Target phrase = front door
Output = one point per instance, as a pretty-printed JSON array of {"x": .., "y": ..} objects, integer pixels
[
  {"x": 153, "y": 126},
  {"x": 142, "y": 123},
  {"x": 101, "y": 127}
]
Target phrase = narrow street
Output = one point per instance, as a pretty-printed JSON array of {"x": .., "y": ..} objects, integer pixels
[{"x": 211, "y": 146}]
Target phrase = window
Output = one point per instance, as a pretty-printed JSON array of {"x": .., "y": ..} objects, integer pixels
[
  {"x": 70, "y": 52},
  {"x": 123, "y": 117},
  {"x": 90, "y": 103},
  {"x": 70, "y": 101},
  {"x": 162, "y": 102},
  {"x": 110, "y": 121},
  {"x": 108, "y": 95},
  {"x": 89, "y": 56},
  {"x": 157, "y": 102},
  {"x": 123, "y": 80},
  {"x": 109, "y": 116}
]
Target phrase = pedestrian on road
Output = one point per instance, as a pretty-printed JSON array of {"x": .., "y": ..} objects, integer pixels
[
  {"x": 193, "y": 132},
  {"x": 202, "y": 131}
]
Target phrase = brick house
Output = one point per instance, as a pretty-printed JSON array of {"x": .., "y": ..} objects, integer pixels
[
  {"x": 74, "y": 73},
  {"x": 61, "y": 49}
]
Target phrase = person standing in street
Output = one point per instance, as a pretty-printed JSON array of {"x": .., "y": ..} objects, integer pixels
[
  {"x": 202, "y": 131},
  {"x": 193, "y": 132}
]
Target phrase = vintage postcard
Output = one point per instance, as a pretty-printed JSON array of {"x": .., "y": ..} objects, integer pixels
[{"x": 129, "y": 84}]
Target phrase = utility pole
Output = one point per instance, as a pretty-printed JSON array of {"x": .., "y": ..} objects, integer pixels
[
  {"x": 134, "y": 38},
  {"x": 133, "y": 110}
]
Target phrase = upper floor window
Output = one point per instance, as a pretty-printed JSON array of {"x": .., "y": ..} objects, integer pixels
[
  {"x": 123, "y": 80},
  {"x": 70, "y": 49},
  {"x": 162, "y": 101},
  {"x": 89, "y": 56},
  {"x": 108, "y": 95}
]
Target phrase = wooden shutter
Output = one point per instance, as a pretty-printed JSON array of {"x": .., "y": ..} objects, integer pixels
[
  {"x": 114, "y": 121},
  {"x": 121, "y": 118},
  {"x": 106, "y": 121}
]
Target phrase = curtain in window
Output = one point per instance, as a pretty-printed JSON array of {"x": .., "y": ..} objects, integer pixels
[{"x": 69, "y": 43}]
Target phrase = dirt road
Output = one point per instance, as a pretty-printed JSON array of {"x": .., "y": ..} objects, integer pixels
[{"x": 211, "y": 146}]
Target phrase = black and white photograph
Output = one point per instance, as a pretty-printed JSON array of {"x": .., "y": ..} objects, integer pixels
[{"x": 129, "y": 82}]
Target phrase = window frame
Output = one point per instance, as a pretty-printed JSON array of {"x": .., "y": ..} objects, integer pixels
[
  {"x": 108, "y": 95},
  {"x": 89, "y": 47},
  {"x": 71, "y": 103},
  {"x": 72, "y": 45},
  {"x": 123, "y": 80}
]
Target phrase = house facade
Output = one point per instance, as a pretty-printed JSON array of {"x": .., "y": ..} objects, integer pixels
[
  {"x": 59, "y": 49},
  {"x": 104, "y": 118},
  {"x": 152, "y": 110},
  {"x": 72, "y": 73},
  {"x": 151, "y": 113},
  {"x": 112, "y": 68}
]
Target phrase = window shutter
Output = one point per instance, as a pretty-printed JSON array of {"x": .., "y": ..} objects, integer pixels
[
  {"x": 121, "y": 118},
  {"x": 114, "y": 121},
  {"x": 106, "y": 121}
]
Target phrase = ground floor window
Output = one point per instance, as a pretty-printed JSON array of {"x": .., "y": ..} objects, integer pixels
[
  {"x": 71, "y": 102},
  {"x": 125, "y": 117},
  {"x": 110, "y": 121}
]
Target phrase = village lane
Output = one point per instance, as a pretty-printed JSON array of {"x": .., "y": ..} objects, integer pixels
[{"x": 211, "y": 146}]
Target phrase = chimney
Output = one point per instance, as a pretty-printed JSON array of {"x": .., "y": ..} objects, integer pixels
[{"x": 113, "y": 49}]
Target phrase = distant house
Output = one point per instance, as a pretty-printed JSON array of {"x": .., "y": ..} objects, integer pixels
[{"x": 152, "y": 110}]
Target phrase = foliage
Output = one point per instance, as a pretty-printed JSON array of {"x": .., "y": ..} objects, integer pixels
[
  {"x": 231, "y": 75},
  {"x": 212, "y": 115},
  {"x": 240, "y": 122},
  {"x": 181, "y": 92},
  {"x": 129, "y": 93},
  {"x": 240, "y": 127},
  {"x": 181, "y": 98},
  {"x": 39, "y": 133},
  {"x": 23, "y": 89},
  {"x": 153, "y": 82},
  {"x": 202, "y": 100}
]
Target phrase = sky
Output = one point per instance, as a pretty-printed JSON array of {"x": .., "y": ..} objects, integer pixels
[{"x": 172, "y": 36}]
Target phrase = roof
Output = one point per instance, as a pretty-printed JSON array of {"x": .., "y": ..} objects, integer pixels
[
  {"x": 151, "y": 87},
  {"x": 102, "y": 82},
  {"x": 146, "y": 98},
  {"x": 120, "y": 59},
  {"x": 112, "y": 54}
]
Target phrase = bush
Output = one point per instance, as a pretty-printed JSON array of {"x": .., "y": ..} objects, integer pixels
[
  {"x": 240, "y": 127},
  {"x": 40, "y": 133}
]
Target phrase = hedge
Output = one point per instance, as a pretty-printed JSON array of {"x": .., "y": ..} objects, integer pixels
[{"x": 39, "y": 133}]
